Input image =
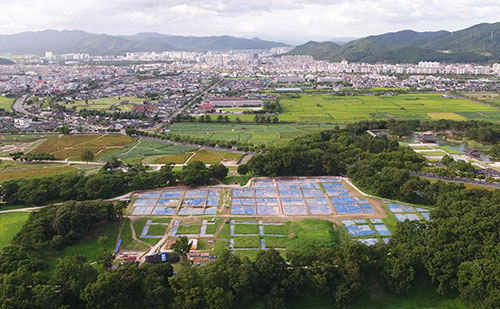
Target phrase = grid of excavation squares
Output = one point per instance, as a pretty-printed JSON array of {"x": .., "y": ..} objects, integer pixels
[
  {"x": 405, "y": 212},
  {"x": 298, "y": 196},
  {"x": 361, "y": 231},
  {"x": 191, "y": 202}
]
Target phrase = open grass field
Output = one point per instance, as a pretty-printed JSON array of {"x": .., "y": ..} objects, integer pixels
[
  {"x": 105, "y": 103},
  {"x": 246, "y": 229},
  {"x": 188, "y": 229},
  {"x": 246, "y": 242},
  {"x": 327, "y": 108},
  {"x": 72, "y": 146},
  {"x": 492, "y": 98},
  {"x": 145, "y": 148},
  {"x": 34, "y": 172},
  {"x": 88, "y": 247},
  {"x": 271, "y": 134},
  {"x": 6, "y": 103},
  {"x": 212, "y": 156},
  {"x": 311, "y": 234},
  {"x": 10, "y": 224},
  {"x": 128, "y": 243}
]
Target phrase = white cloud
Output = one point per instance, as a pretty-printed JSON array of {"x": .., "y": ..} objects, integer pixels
[{"x": 265, "y": 18}]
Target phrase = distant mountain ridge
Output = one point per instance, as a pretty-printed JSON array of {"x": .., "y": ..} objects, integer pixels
[
  {"x": 4, "y": 61},
  {"x": 72, "y": 41},
  {"x": 478, "y": 44}
]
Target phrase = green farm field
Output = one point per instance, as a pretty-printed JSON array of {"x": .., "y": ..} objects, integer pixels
[
  {"x": 72, "y": 146},
  {"x": 6, "y": 103},
  {"x": 272, "y": 134},
  {"x": 106, "y": 103},
  {"x": 327, "y": 108}
]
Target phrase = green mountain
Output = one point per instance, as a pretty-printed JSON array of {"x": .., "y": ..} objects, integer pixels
[
  {"x": 478, "y": 44},
  {"x": 101, "y": 44},
  {"x": 4, "y": 61},
  {"x": 203, "y": 44}
]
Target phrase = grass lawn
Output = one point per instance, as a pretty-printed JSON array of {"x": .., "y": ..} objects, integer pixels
[
  {"x": 211, "y": 228},
  {"x": 241, "y": 180},
  {"x": 246, "y": 229},
  {"x": 212, "y": 156},
  {"x": 276, "y": 229},
  {"x": 188, "y": 229},
  {"x": 6, "y": 103},
  {"x": 275, "y": 242},
  {"x": 246, "y": 242},
  {"x": 128, "y": 243},
  {"x": 156, "y": 229},
  {"x": 88, "y": 247},
  {"x": 225, "y": 232},
  {"x": 10, "y": 224},
  {"x": 72, "y": 146},
  {"x": 311, "y": 234}
]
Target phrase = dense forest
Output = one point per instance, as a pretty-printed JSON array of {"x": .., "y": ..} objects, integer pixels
[{"x": 456, "y": 252}]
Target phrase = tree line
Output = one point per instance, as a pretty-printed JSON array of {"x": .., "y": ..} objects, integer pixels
[{"x": 108, "y": 182}]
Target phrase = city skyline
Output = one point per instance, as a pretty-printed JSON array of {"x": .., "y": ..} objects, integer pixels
[{"x": 293, "y": 22}]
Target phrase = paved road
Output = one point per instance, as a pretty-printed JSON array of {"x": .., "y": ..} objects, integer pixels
[{"x": 18, "y": 106}]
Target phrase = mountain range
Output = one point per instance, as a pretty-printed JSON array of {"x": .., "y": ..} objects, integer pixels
[
  {"x": 478, "y": 44},
  {"x": 69, "y": 41}
]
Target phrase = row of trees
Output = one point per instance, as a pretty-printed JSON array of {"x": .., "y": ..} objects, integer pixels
[
  {"x": 31, "y": 157},
  {"x": 482, "y": 131},
  {"x": 107, "y": 183}
]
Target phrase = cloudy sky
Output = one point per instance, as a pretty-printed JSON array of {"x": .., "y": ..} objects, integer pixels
[{"x": 290, "y": 20}]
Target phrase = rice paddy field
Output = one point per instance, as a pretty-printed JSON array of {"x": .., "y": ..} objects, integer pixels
[
  {"x": 6, "y": 103},
  {"x": 105, "y": 103},
  {"x": 272, "y": 134},
  {"x": 344, "y": 109},
  {"x": 72, "y": 146}
]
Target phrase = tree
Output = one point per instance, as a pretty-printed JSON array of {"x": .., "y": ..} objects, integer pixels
[
  {"x": 242, "y": 169},
  {"x": 72, "y": 275},
  {"x": 87, "y": 156},
  {"x": 195, "y": 173},
  {"x": 182, "y": 246},
  {"x": 495, "y": 151},
  {"x": 219, "y": 171}
]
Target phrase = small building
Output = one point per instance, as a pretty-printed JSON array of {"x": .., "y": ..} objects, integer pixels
[
  {"x": 472, "y": 153},
  {"x": 164, "y": 257},
  {"x": 488, "y": 172},
  {"x": 427, "y": 138},
  {"x": 376, "y": 133},
  {"x": 204, "y": 108}
]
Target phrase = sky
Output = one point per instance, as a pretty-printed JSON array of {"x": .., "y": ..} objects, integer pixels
[{"x": 293, "y": 21}]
